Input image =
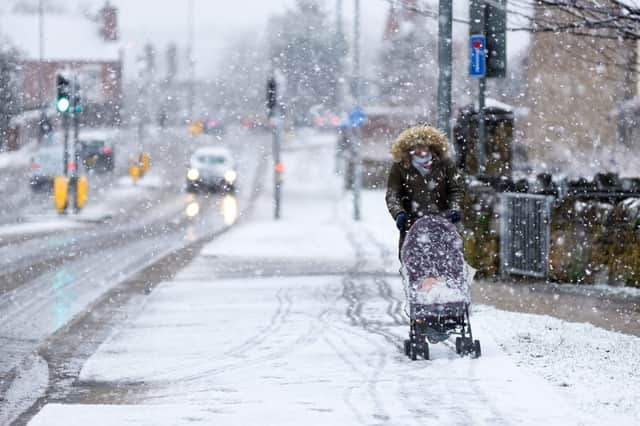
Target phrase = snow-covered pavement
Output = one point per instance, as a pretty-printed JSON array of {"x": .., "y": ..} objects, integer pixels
[{"x": 300, "y": 322}]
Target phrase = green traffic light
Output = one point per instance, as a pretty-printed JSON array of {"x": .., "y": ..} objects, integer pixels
[{"x": 63, "y": 104}]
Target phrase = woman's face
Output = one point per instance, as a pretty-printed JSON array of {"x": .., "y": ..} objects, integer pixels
[{"x": 420, "y": 151}]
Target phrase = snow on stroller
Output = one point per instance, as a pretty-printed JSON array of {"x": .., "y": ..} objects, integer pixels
[{"x": 436, "y": 284}]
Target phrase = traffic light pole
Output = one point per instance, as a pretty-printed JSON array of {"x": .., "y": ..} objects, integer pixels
[
  {"x": 272, "y": 113},
  {"x": 356, "y": 140},
  {"x": 65, "y": 153},
  {"x": 482, "y": 126},
  {"x": 277, "y": 172},
  {"x": 445, "y": 28},
  {"x": 76, "y": 145}
]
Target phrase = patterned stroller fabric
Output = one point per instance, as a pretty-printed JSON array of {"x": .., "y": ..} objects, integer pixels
[{"x": 433, "y": 266}]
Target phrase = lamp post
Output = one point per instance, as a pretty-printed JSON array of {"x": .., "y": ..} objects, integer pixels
[
  {"x": 41, "y": 89},
  {"x": 356, "y": 140},
  {"x": 190, "y": 23}
]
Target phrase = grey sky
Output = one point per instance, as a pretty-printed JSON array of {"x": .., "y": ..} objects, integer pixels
[
  {"x": 217, "y": 21},
  {"x": 163, "y": 21}
]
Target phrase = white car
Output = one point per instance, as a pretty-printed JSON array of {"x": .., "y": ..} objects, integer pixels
[{"x": 211, "y": 169}]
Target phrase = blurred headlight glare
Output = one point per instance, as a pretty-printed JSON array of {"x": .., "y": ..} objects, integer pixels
[
  {"x": 193, "y": 174},
  {"x": 230, "y": 176}
]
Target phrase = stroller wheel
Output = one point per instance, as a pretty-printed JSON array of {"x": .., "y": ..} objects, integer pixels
[
  {"x": 425, "y": 351},
  {"x": 413, "y": 352},
  {"x": 476, "y": 349},
  {"x": 407, "y": 347},
  {"x": 459, "y": 345}
]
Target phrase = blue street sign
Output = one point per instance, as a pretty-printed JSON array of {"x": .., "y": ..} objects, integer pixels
[
  {"x": 478, "y": 60},
  {"x": 357, "y": 117}
]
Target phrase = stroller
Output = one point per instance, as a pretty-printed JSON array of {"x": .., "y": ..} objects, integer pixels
[{"x": 436, "y": 285}]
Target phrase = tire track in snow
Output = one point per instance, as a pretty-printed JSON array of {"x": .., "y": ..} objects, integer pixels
[
  {"x": 387, "y": 294},
  {"x": 385, "y": 291}
]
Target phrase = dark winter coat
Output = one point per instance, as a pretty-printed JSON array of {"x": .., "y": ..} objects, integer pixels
[{"x": 408, "y": 191}]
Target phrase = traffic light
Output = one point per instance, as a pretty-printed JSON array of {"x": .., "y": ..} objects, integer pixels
[
  {"x": 495, "y": 22},
  {"x": 63, "y": 99},
  {"x": 272, "y": 96},
  {"x": 489, "y": 18},
  {"x": 77, "y": 104}
]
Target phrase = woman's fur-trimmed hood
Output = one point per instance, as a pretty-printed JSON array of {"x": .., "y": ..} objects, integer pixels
[{"x": 428, "y": 136}]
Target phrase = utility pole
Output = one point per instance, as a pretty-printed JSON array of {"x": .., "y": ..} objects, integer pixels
[
  {"x": 190, "y": 30},
  {"x": 445, "y": 25},
  {"x": 41, "y": 89},
  {"x": 339, "y": 26},
  {"x": 357, "y": 135},
  {"x": 341, "y": 51}
]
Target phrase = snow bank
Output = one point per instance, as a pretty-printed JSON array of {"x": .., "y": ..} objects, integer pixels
[
  {"x": 599, "y": 370},
  {"x": 41, "y": 225}
]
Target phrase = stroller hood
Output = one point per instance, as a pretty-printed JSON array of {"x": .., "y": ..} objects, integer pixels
[{"x": 433, "y": 263}]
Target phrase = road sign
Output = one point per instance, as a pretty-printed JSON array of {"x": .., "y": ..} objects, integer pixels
[
  {"x": 478, "y": 61},
  {"x": 357, "y": 117}
]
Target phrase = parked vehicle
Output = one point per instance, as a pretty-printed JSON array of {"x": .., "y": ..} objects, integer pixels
[
  {"x": 97, "y": 152},
  {"x": 214, "y": 126},
  {"x": 211, "y": 169},
  {"x": 46, "y": 163}
]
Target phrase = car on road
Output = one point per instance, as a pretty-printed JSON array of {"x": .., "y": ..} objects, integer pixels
[
  {"x": 214, "y": 126},
  {"x": 97, "y": 152},
  {"x": 211, "y": 169},
  {"x": 46, "y": 163}
]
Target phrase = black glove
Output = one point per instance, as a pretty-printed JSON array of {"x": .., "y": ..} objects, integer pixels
[
  {"x": 401, "y": 221},
  {"x": 454, "y": 216}
]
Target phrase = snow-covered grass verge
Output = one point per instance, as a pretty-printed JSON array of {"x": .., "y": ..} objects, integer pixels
[{"x": 597, "y": 369}]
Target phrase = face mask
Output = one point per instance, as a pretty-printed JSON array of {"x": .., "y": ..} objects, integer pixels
[{"x": 422, "y": 164}]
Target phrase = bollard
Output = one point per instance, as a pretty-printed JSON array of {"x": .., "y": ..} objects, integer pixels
[
  {"x": 60, "y": 189},
  {"x": 145, "y": 161},
  {"x": 197, "y": 128},
  {"x": 82, "y": 191},
  {"x": 134, "y": 172}
]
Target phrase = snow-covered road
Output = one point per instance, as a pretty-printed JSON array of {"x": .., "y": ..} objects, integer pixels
[
  {"x": 301, "y": 322},
  {"x": 53, "y": 273}
]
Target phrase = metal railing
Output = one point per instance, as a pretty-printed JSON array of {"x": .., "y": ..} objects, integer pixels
[{"x": 525, "y": 234}]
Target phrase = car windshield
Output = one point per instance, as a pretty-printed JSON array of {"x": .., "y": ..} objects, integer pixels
[
  {"x": 93, "y": 143},
  {"x": 211, "y": 160}
]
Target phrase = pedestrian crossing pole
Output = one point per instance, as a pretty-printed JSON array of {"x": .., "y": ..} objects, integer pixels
[{"x": 477, "y": 17}]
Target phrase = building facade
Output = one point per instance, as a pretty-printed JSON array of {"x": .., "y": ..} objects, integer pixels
[
  {"x": 85, "y": 49},
  {"x": 575, "y": 84}
]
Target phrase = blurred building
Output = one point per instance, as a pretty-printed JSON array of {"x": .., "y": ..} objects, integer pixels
[
  {"x": 575, "y": 84},
  {"x": 83, "y": 47}
]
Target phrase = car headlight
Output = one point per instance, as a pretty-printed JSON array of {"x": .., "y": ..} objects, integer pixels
[
  {"x": 230, "y": 176},
  {"x": 193, "y": 174}
]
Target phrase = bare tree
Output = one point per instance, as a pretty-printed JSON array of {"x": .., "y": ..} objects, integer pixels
[{"x": 610, "y": 19}]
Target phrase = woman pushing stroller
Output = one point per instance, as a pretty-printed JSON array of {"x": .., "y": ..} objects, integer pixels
[{"x": 424, "y": 192}]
